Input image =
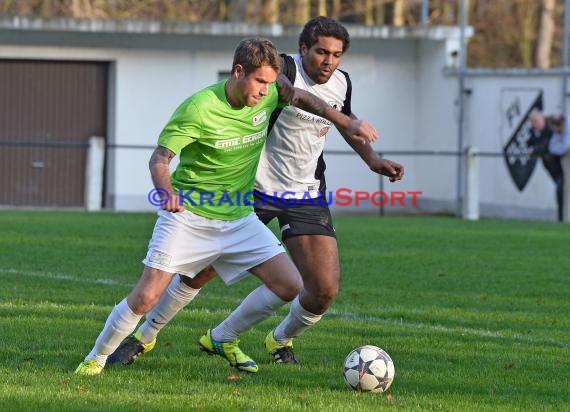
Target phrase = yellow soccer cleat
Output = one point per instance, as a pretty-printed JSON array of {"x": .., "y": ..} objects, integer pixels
[
  {"x": 228, "y": 350},
  {"x": 89, "y": 368}
]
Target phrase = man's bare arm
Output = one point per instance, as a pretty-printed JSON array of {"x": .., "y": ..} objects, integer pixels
[
  {"x": 359, "y": 130},
  {"x": 385, "y": 167},
  {"x": 160, "y": 173}
]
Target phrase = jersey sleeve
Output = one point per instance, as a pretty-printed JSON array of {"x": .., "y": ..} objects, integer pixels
[
  {"x": 347, "y": 105},
  {"x": 183, "y": 128}
]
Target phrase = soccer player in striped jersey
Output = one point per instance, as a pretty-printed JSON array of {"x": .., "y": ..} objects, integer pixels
[
  {"x": 291, "y": 162},
  {"x": 218, "y": 133}
]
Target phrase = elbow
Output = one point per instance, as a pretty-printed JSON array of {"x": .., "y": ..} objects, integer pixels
[{"x": 297, "y": 98}]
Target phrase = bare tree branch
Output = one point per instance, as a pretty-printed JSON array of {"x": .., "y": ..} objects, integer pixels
[{"x": 545, "y": 34}]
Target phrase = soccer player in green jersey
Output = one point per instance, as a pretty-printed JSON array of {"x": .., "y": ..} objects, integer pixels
[
  {"x": 207, "y": 218},
  {"x": 292, "y": 163}
]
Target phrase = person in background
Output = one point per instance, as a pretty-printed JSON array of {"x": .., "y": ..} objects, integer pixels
[
  {"x": 558, "y": 146},
  {"x": 539, "y": 145},
  {"x": 559, "y": 143}
]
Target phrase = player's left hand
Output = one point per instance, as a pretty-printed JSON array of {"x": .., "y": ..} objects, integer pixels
[{"x": 388, "y": 168}]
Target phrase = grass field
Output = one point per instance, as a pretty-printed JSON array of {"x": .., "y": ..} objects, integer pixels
[{"x": 476, "y": 316}]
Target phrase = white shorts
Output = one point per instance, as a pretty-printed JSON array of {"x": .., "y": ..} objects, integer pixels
[{"x": 186, "y": 243}]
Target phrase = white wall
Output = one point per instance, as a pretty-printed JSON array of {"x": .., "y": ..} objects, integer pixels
[
  {"x": 436, "y": 129},
  {"x": 149, "y": 88},
  {"x": 399, "y": 84},
  {"x": 148, "y": 85},
  {"x": 383, "y": 79},
  {"x": 145, "y": 89},
  {"x": 486, "y": 128}
]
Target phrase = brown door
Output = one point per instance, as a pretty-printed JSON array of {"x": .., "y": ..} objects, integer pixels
[{"x": 48, "y": 111}]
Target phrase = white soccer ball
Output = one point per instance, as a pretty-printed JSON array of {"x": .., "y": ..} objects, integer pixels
[{"x": 368, "y": 369}]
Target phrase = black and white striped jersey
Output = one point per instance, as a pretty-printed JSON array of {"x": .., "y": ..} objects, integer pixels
[{"x": 291, "y": 160}]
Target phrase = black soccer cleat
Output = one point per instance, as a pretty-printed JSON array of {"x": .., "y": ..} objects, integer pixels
[{"x": 129, "y": 350}]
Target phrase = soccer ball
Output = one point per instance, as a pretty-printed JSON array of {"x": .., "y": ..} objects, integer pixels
[{"x": 368, "y": 369}]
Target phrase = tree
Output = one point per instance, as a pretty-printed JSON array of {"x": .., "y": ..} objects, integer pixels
[
  {"x": 237, "y": 10},
  {"x": 301, "y": 11},
  {"x": 322, "y": 8},
  {"x": 336, "y": 9},
  {"x": 545, "y": 34},
  {"x": 507, "y": 33},
  {"x": 399, "y": 12},
  {"x": 270, "y": 11},
  {"x": 526, "y": 12}
]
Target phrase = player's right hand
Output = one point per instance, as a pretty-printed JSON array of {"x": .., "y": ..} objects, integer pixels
[{"x": 173, "y": 205}]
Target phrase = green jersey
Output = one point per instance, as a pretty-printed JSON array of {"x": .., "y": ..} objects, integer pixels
[{"x": 219, "y": 149}]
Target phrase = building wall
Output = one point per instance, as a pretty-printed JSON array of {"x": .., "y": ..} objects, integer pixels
[
  {"x": 384, "y": 78},
  {"x": 146, "y": 86},
  {"x": 486, "y": 127},
  {"x": 411, "y": 104},
  {"x": 401, "y": 82}
]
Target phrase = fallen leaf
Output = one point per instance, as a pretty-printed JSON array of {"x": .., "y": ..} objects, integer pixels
[
  {"x": 83, "y": 389},
  {"x": 233, "y": 378},
  {"x": 389, "y": 397}
]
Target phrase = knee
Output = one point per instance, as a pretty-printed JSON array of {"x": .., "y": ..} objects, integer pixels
[
  {"x": 292, "y": 290},
  {"x": 324, "y": 296},
  {"x": 328, "y": 295},
  {"x": 142, "y": 302},
  {"x": 288, "y": 291}
]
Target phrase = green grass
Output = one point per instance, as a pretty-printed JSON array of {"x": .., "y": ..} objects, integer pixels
[{"x": 474, "y": 314}]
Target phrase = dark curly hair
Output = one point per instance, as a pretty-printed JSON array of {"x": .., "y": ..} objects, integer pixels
[{"x": 323, "y": 26}]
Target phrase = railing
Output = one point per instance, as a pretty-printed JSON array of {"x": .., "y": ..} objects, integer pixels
[
  {"x": 468, "y": 195},
  {"x": 91, "y": 158}
]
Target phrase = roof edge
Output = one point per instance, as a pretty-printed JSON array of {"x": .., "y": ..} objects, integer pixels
[{"x": 214, "y": 28}]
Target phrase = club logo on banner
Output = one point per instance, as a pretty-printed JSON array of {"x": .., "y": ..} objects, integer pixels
[{"x": 516, "y": 105}]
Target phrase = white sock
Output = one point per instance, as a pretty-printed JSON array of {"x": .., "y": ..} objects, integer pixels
[
  {"x": 256, "y": 307},
  {"x": 120, "y": 323},
  {"x": 296, "y": 322},
  {"x": 176, "y": 296}
]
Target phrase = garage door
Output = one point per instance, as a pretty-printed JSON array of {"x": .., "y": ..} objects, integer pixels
[{"x": 48, "y": 111}]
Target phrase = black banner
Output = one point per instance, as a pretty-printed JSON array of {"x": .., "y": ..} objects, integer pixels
[{"x": 519, "y": 163}]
